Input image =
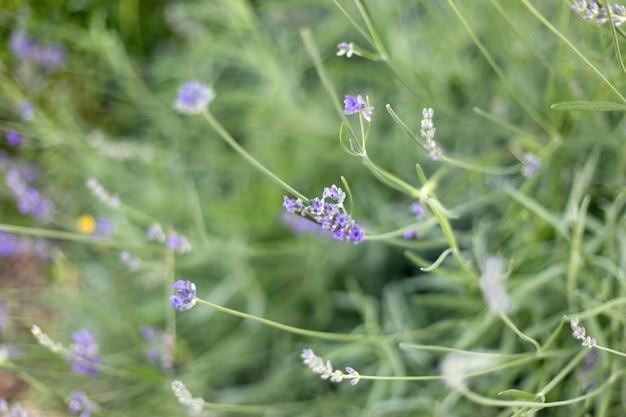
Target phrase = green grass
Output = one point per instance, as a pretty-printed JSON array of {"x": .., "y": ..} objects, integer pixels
[{"x": 504, "y": 78}]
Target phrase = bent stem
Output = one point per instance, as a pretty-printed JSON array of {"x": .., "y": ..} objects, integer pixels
[
  {"x": 291, "y": 329},
  {"x": 477, "y": 398},
  {"x": 518, "y": 332},
  {"x": 249, "y": 158}
]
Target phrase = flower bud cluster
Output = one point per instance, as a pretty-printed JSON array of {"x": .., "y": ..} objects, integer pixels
[
  {"x": 325, "y": 368},
  {"x": 330, "y": 216}
]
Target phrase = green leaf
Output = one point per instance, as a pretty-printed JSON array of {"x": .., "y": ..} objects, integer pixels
[
  {"x": 522, "y": 395},
  {"x": 588, "y": 106}
]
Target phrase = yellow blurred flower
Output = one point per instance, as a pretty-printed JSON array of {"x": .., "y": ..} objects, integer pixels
[{"x": 86, "y": 224}]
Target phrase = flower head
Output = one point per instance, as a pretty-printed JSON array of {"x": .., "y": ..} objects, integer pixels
[
  {"x": 530, "y": 164},
  {"x": 330, "y": 216},
  {"x": 346, "y": 49},
  {"x": 177, "y": 242},
  {"x": 14, "y": 138},
  {"x": 325, "y": 368},
  {"x": 427, "y": 132},
  {"x": 45, "y": 340},
  {"x": 590, "y": 10},
  {"x": 356, "y": 104},
  {"x": 78, "y": 402},
  {"x": 185, "y": 296},
  {"x": 193, "y": 97},
  {"x": 98, "y": 191},
  {"x": 418, "y": 210},
  {"x": 84, "y": 358},
  {"x": 181, "y": 392},
  {"x": 26, "y": 110},
  {"x": 579, "y": 333}
]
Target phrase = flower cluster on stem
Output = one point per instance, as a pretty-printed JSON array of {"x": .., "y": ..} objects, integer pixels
[
  {"x": 346, "y": 49},
  {"x": 591, "y": 10},
  {"x": 185, "y": 296},
  {"x": 181, "y": 392},
  {"x": 45, "y": 340},
  {"x": 78, "y": 402},
  {"x": 356, "y": 104},
  {"x": 193, "y": 97},
  {"x": 102, "y": 194},
  {"x": 325, "y": 368},
  {"x": 48, "y": 56},
  {"x": 579, "y": 333},
  {"x": 84, "y": 358},
  {"x": 427, "y": 132},
  {"x": 331, "y": 216},
  {"x": 530, "y": 164}
]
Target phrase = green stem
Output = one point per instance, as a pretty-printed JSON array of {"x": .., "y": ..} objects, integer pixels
[
  {"x": 501, "y": 403},
  {"x": 563, "y": 373},
  {"x": 446, "y": 228},
  {"x": 543, "y": 20},
  {"x": 517, "y": 331},
  {"x": 390, "y": 179},
  {"x": 249, "y": 158},
  {"x": 501, "y": 75},
  {"x": 287, "y": 328}
]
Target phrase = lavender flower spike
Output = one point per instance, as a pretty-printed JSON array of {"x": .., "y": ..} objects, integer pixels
[
  {"x": 185, "y": 296},
  {"x": 325, "y": 368},
  {"x": 356, "y": 104},
  {"x": 78, "y": 402},
  {"x": 85, "y": 353},
  {"x": 427, "y": 132},
  {"x": 193, "y": 97},
  {"x": 330, "y": 216}
]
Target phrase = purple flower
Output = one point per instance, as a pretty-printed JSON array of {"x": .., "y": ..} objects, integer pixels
[
  {"x": 29, "y": 200},
  {"x": 23, "y": 47},
  {"x": 78, "y": 402},
  {"x": 329, "y": 215},
  {"x": 293, "y": 206},
  {"x": 20, "y": 44},
  {"x": 147, "y": 332},
  {"x": 84, "y": 356},
  {"x": 193, "y": 97},
  {"x": 418, "y": 210},
  {"x": 356, "y": 104},
  {"x": 410, "y": 234},
  {"x": 14, "y": 138},
  {"x": 26, "y": 110},
  {"x": 530, "y": 164},
  {"x": 185, "y": 296},
  {"x": 177, "y": 242},
  {"x": 345, "y": 49}
]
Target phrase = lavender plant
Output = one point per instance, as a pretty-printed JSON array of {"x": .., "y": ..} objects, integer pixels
[{"x": 448, "y": 269}]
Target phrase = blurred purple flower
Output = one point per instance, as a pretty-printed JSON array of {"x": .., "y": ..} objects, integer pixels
[
  {"x": 49, "y": 56},
  {"x": 78, "y": 402},
  {"x": 185, "y": 296},
  {"x": 85, "y": 353},
  {"x": 26, "y": 110},
  {"x": 193, "y": 97},
  {"x": 14, "y": 138},
  {"x": 29, "y": 200}
]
